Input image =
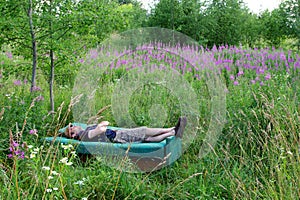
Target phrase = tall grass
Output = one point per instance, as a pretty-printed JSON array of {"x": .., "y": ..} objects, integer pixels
[{"x": 256, "y": 156}]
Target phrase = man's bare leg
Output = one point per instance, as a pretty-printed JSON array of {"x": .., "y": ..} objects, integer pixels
[
  {"x": 161, "y": 137},
  {"x": 150, "y": 132}
]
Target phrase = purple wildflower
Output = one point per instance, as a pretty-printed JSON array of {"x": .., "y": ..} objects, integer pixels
[
  {"x": 25, "y": 81},
  {"x": 282, "y": 56},
  {"x": 18, "y": 152},
  {"x": 22, "y": 155},
  {"x": 253, "y": 81},
  {"x": 33, "y": 131},
  {"x": 15, "y": 144},
  {"x": 227, "y": 61},
  {"x": 10, "y": 155},
  {"x": 231, "y": 77},
  {"x": 93, "y": 54},
  {"x": 39, "y": 98},
  {"x": 260, "y": 71},
  {"x": 235, "y": 83},
  {"x": 36, "y": 88},
  {"x": 240, "y": 73},
  {"x": 227, "y": 67},
  {"x": 261, "y": 83},
  {"x": 267, "y": 77},
  {"x": 9, "y": 55},
  {"x": 17, "y": 82}
]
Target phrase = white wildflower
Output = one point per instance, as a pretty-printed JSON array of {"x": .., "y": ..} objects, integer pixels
[
  {"x": 46, "y": 168},
  {"x": 69, "y": 163},
  {"x": 30, "y": 146},
  {"x": 80, "y": 182},
  {"x": 32, "y": 155},
  {"x": 55, "y": 188},
  {"x": 50, "y": 177},
  {"x": 49, "y": 190},
  {"x": 54, "y": 173},
  {"x": 66, "y": 147},
  {"x": 64, "y": 160}
]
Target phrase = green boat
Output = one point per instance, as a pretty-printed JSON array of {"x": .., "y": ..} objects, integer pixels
[{"x": 146, "y": 156}]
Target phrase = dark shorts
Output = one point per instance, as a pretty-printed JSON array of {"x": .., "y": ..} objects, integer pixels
[{"x": 131, "y": 135}]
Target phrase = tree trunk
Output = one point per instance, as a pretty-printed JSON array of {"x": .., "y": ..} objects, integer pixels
[
  {"x": 33, "y": 42},
  {"x": 52, "y": 80}
]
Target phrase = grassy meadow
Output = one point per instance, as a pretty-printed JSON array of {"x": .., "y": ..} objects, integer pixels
[{"x": 256, "y": 155}]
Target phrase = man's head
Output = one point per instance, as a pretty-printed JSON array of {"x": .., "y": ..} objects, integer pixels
[{"x": 73, "y": 131}]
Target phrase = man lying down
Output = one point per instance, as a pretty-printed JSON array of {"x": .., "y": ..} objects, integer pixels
[{"x": 100, "y": 132}]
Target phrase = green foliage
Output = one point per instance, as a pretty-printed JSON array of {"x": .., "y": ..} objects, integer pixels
[
  {"x": 290, "y": 11},
  {"x": 230, "y": 22},
  {"x": 273, "y": 27},
  {"x": 256, "y": 156}
]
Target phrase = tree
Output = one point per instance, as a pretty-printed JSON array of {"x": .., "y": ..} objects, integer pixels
[
  {"x": 273, "y": 28},
  {"x": 226, "y": 20},
  {"x": 290, "y": 10},
  {"x": 167, "y": 14},
  {"x": 55, "y": 33}
]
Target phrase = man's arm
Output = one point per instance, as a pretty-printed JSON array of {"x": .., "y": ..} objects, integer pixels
[{"x": 100, "y": 129}]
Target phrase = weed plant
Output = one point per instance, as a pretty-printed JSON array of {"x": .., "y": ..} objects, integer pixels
[{"x": 256, "y": 156}]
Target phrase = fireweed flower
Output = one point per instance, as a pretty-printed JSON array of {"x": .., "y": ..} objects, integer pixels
[
  {"x": 15, "y": 144},
  {"x": 267, "y": 77},
  {"x": 235, "y": 83},
  {"x": 261, "y": 83},
  {"x": 33, "y": 132},
  {"x": 16, "y": 150},
  {"x": 240, "y": 73},
  {"x": 10, "y": 155},
  {"x": 9, "y": 55},
  {"x": 20, "y": 154},
  {"x": 232, "y": 77},
  {"x": 17, "y": 83},
  {"x": 36, "y": 88},
  {"x": 39, "y": 98}
]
